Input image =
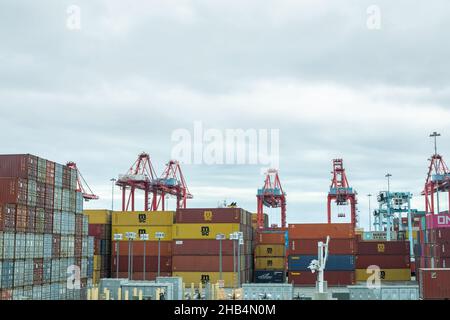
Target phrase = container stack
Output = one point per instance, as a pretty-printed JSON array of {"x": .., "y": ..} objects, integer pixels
[
  {"x": 303, "y": 248},
  {"x": 391, "y": 257},
  {"x": 434, "y": 284},
  {"x": 100, "y": 230},
  {"x": 131, "y": 255},
  {"x": 434, "y": 248},
  {"x": 255, "y": 221},
  {"x": 196, "y": 252},
  {"x": 44, "y": 233},
  {"x": 270, "y": 256}
]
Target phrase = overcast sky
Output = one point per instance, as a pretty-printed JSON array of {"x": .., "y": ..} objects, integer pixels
[{"x": 138, "y": 70}]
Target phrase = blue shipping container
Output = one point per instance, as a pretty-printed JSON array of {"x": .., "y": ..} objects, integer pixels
[
  {"x": 269, "y": 276},
  {"x": 334, "y": 262}
]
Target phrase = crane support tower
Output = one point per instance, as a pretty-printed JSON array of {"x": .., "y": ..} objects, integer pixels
[
  {"x": 139, "y": 177},
  {"x": 438, "y": 180},
  {"x": 172, "y": 183},
  {"x": 271, "y": 195},
  {"x": 82, "y": 185},
  {"x": 340, "y": 191}
]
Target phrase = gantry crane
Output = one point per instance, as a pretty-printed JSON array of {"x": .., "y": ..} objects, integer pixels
[
  {"x": 272, "y": 196},
  {"x": 171, "y": 182},
  {"x": 140, "y": 176},
  {"x": 438, "y": 180},
  {"x": 87, "y": 193},
  {"x": 340, "y": 191}
]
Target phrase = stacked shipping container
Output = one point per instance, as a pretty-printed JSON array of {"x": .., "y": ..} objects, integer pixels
[
  {"x": 196, "y": 252},
  {"x": 142, "y": 252},
  {"x": 303, "y": 248},
  {"x": 100, "y": 230},
  {"x": 434, "y": 284},
  {"x": 270, "y": 256},
  {"x": 44, "y": 234}
]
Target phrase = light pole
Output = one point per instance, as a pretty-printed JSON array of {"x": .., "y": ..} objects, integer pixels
[
  {"x": 370, "y": 213},
  {"x": 388, "y": 225},
  {"x": 130, "y": 236},
  {"x": 233, "y": 237},
  {"x": 113, "y": 180},
  {"x": 117, "y": 237},
  {"x": 240, "y": 243},
  {"x": 159, "y": 236},
  {"x": 435, "y": 135},
  {"x": 144, "y": 238},
  {"x": 220, "y": 237}
]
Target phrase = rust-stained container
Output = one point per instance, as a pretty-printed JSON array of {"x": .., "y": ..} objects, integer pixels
[
  {"x": 383, "y": 247},
  {"x": 21, "y": 218},
  {"x": 19, "y": 165},
  {"x": 310, "y": 246},
  {"x": 270, "y": 238},
  {"x": 151, "y": 248},
  {"x": 212, "y": 215},
  {"x": 333, "y": 278},
  {"x": 38, "y": 271},
  {"x": 13, "y": 190},
  {"x": 434, "y": 284},
  {"x": 320, "y": 230},
  {"x": 151, "y": 263},
  {"x": 192, "y": 247},
  {"x": 7, "y": 217},
  {"x": 382, "y": 261},
  {"x": 205, "y": 263}
]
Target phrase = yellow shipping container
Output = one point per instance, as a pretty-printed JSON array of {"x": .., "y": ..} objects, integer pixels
[
  {"x": 203, "y": 231},
  {"x": 386, "y": 274},
  {"x": 143, "y": 218},
  {"x": 143, "y": 230},
  {"x": 270, "y": 250},
  {"x": 97, "y": 262},
  {"x": 96, "y": 276},
  {"x": 270, "y": 263},
  {"x": 230, "y": 278},
  {"x": 98, "y": 216}
]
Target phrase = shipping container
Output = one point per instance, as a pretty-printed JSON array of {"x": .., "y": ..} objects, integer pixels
[
  {"x": 270, "y": 237},
  {"x": 151, "y": 248},
  {"x": 230, "y": 278},
  {"x": 204, "y": 231},
  {"x": 8, "y": 245},
  {"x": 18, "y": 165},
  {"x": 385, "y": 274},
  {"x": 193, "y": 247},
  {"x": 212, "y": 215},
  {"x": 207, "y": 263},
  {"x": 143, "y": 218},
  {"x": 21, "y": 218},
  {"x": 383, "y": 247},
  {"x": 333, "y": 278},
  {"x": 151, "y": 263},
  {"x": 13, "y": 191},
  {"x": 98, "y": 216},
  {"x": 319, "y": 230},
  {"x": 272, "y": 263},
  {"x": 270, "y": 276},
  {"x": 144, "y": 230},
  {"x": 7, "y": 217},
  {"x": 334, "y": 262},
  {"x": 310, "y": 246},
  {"x": 382, "y": 261},
  {"x": 270, "y": 250},
  {"x": 434, "y": 284}
]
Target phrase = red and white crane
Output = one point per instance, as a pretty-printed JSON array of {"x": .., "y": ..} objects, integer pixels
[
  {"x": 271, "y": 195},
  {"x": 81, "y": 183},
  {"x": 340, "y": 191}
]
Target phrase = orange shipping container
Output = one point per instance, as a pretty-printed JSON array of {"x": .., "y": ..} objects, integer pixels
[
  {"x": 319, "y": 230},
  {"x": 270, "y": 238}
]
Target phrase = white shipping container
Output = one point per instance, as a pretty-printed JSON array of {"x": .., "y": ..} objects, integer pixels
[
  {"x": 57, "y": 222},
  {"x": 85, "y": 225},
  {"x": 19, "y": 269},
  {"x": 84, "y": 266},
  {"x": 85, "y": 246},
  {"x": 18, "y": 293},
  {"x": 37, "y": 292},
  {"x": 20, "y": 245},
  {"x": 29, "y": 247},
  {"x": 90, "y": 246},
  {"x": 48, "y": 241},
  {"x": 38, "y": 246},
  {"x": 28, "y": 272},
  {"x": 28, "y": 292},
  {"x": 45, "y": 292},
  {"x": 8, "y": 245},
  {"x": 55, "y": 270}
]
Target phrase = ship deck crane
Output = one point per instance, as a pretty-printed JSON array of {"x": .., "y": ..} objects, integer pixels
[
  {"x": 82, "y": 185},
  {"x": 171, "y": 182},
  {"x": 271, "y": 195},
  {"x": 340, "y": 191},
  {"x": 319, "y": 265}
]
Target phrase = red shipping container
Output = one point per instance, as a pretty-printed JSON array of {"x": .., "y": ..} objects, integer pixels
[
  {"x": 320, "y": 230},
  {"x": 383, "y": 261},
  {"x": 333, "y": 278},
  {"x": 56, "y": 245},
  {"x": 383, "y": 247},
  {"x": 7, "y": 217},
  {"x": 97, "y": 230},
  {"x": 270, "y": 238},
  {"x": 40, "y": 194},
  {"x": 140, "y": 275},
  {"x": 309, "y": 246},
  {"x": 38, "y": 271},
  {"x": 49, "y": 196},
  {"x": 151, "y": 263},
  {"x": 204, "y": 263},
  {"x": 442, "y": 235},
  {"x": 434, "y": 284},
  {"x": 207, "y": 247},
  {"x": 31, "y": 216},
  {"x": 21, "y": 218},
  {"x": 211, "y": 215},
  {"x": 18, "y": 165},
  {"x": 50, "y": 177},
  {"x": 151, "y": 248},
  {"x": 48, "y": 221},
  {"x": 13, "y": 190}
]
